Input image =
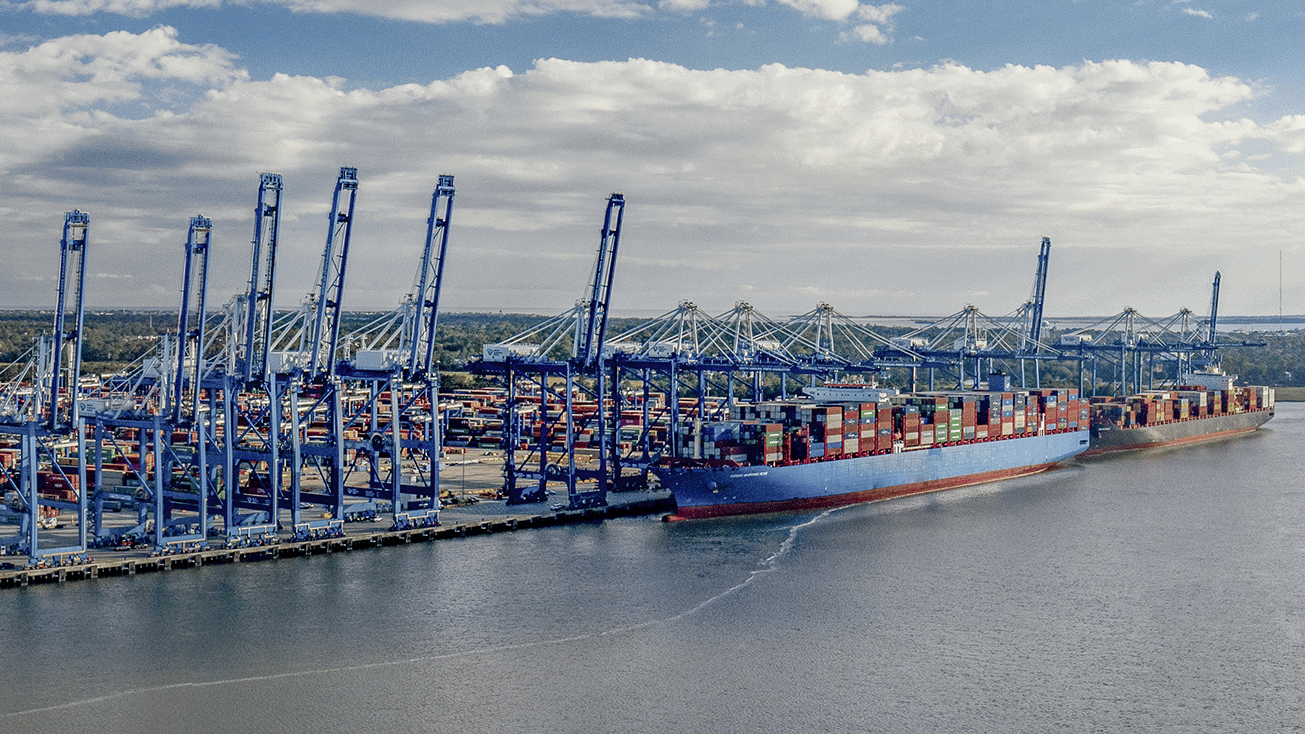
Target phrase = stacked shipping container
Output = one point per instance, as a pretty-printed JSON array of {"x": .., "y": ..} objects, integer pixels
[{"x": 1153, "y": 407}]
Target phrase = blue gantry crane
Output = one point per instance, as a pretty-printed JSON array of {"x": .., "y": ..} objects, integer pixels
[
  {"x": 302, "y": 388},
  {"x": 1034, "y": 326},
  {"x": 534, "y": 364},
  {"x": 44, "y": 484},
  {"x": 394, "y": 368},
  {"x": 1212, "y": 335},
  {"x": 153, "y": 410},
  {"x": 323, "y": 330},
  {"x": 589, "y": 346}
]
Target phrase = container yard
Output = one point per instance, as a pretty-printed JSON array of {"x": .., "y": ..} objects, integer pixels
[{"x": 257, "y": 429}]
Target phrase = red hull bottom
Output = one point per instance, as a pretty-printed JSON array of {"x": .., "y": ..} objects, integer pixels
[{"x": 853, "y": 498}]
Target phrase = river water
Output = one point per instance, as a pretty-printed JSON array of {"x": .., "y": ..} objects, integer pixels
[{"x": 1157, "y": 592}]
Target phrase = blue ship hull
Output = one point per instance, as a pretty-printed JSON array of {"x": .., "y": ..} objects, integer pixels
[{"x": 715, "y": 491}]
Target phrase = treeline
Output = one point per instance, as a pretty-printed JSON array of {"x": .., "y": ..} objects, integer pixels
[
  {"x": 117, "y": 338},
  {"x": 1280, "y": 362},
  {"x": 112, "y": 339}
]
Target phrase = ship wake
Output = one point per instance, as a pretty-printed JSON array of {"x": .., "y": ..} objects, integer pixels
[{"x": 764, "y": 567}]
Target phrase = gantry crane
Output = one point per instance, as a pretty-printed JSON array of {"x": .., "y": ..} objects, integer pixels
[
  {"x": 419, "y": 329},
  {"x": 145, "y": 411},
  {"x": 243, "y": 417},
  {"x": 531, "y": 371},
  {"x": 301, "y": 385},
  {"x": 1034, "y": 310},
  {"x": 41, "y": 476},
  {"x": 323, "y": 331},
  {"x": 1212, "y": 336},
  {"x": 399, "y": 415}
]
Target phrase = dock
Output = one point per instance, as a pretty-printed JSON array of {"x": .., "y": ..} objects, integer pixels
[{"x": 129, "y": 563}]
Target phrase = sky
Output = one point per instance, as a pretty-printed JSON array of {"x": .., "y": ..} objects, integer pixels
[{"x": 896, "y": 158}]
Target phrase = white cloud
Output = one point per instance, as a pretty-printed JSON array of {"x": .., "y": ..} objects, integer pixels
[
  {"x": 868, "y": 33},
  {"x": 778, "y": 182},
  {"x": 1288, "y": 133},
  {"x": 438, "y": 11},
  {"x": 881, "y": 14},
  {"x": 684, "y": 6},
  {"x": 61, "y": 87},
  {"x": 1198, "y": 13},
  {"x": 131, "y": 8},
  {"x": 880, "y": 19},
  {"x": 425, "y": 11},
  {"x": 487, "y": 11},
  {"x": 827, "y": 9}
]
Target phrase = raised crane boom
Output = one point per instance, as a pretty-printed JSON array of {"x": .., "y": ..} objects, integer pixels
[
  {"x": 72, "y": 265},
  {"x": 324, "y": 331},
  {"x": 1039, "y": 296},
  {"x": 590, "y": 344},
  {"x": 251, "y": 355},
  {"x": 1214, "y": 310},
  {"x": 194, "y": 312},
  {"x": 420, "y": 331}
]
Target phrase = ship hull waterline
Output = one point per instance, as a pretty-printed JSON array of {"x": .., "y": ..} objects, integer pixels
[
  {"x": 702, "y": 493},
  {"x": 1176, "y": 433}
]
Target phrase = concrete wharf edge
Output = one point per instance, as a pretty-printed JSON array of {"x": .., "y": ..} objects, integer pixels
[{"x": 106, "y": 564}]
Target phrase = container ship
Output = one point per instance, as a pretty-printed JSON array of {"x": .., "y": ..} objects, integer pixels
[
  {"x": 1207, "y": 406},
  {"x": 778, "y": 456}
]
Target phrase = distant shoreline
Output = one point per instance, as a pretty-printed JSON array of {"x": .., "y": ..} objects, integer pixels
[{"x": 1289, "y": 394}]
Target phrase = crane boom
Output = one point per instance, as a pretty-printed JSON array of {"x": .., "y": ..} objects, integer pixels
[
  {"x": 1214, "y": 310},
  {"x": 420, "y": 340},
  {"x": 1039, "y": 296},
  {"x": 324, "y": 333},
  {"x": 589, "y": 347},
  {"x": 72, "y": 264},
  {"x": 190, "y": 327},
  {"x": 252, "y": 353}
]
